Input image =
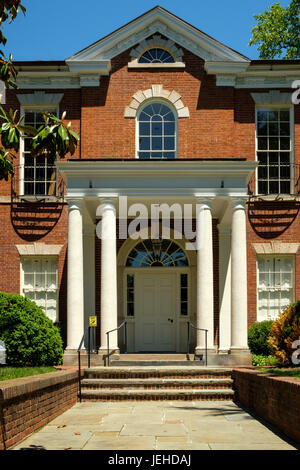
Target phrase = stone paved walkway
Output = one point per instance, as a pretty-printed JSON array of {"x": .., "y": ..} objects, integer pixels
[{"x": 156, "y": 425}]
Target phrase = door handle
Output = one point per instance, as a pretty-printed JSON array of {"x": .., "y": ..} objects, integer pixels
[{"x": 170, "y": 320}]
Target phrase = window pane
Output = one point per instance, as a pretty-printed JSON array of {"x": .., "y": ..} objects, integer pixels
[
  {"x": 169, "y": 143},
  {"x": 262, "y": 128},
  {"x": 262, "y": 143},
  {"x": 157, "y": 143},
  {"x": 284, "y": 128},
  {"x": 144, "y": 155},
  {"x": 156, "y": 128},
  {"x": 273, "y": 115},
  {"x": 273, "y": 128},
  {"x": 144, "y": 128},
  {"x": 169, "y": 128},
  {"x": 145, "y": 143}
]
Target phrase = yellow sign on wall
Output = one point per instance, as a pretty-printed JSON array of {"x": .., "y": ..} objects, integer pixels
[{"x": 92, "y": 320}]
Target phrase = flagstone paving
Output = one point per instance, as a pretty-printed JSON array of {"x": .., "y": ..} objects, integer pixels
[{"x": 157, "y": 425}]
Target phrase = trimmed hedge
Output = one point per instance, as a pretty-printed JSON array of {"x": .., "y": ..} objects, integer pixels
[
  {"x": 30, "y": 337},
  {"x": 258, "y": 335}
]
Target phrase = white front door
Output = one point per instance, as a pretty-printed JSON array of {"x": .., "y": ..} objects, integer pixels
[{"x": 156, "y": 312}]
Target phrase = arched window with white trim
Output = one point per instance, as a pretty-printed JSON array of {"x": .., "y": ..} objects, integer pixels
[{"x": 157, "y": 129}]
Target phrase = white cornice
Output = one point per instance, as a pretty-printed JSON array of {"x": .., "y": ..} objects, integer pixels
[{"x": 80, "y": 168}]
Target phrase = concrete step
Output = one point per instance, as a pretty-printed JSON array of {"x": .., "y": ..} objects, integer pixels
[
  {"x": 155, "y": 383},
  {"x": 155, "y": 357},
  {"x": 157, "y": 394},
  {"x": 150, "y": 363},
  {"x": 126, "y": 372}
]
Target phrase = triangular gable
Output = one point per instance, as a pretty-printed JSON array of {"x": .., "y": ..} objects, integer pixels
[{"x": 156, "y": 20}]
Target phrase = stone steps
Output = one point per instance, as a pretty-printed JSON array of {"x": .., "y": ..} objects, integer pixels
[{"x": 156, "y": 383}]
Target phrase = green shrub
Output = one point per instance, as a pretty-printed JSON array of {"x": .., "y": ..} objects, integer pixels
[
  {"x": 285, "y": 330},
  {"x": 258, "y": 335},
  {"x": 30, "y": 337},
  {"x": 259, "y": 360}
]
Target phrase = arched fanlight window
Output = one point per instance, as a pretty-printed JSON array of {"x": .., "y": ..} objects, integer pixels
[
  {"x": 157, "y": 253},
  {"x": 155, "y": 56},
  {"x": 157, "y": 132}
]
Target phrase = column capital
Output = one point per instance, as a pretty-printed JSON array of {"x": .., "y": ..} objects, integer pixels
[
  {"x": 75, "y": 203},
  {"x": 204, "y": 202},
  {"x": 106, "y": 203},
  {"x": 239, "y": 202}
]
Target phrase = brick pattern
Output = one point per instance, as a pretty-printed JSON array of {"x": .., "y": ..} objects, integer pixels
[
  {"x": 161, "y": 383},
  {"x": 275, "y": 399},
  {"x": 27, "y": 404}
]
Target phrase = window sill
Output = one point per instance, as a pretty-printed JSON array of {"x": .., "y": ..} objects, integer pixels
[{"x": 135, "y": 65}]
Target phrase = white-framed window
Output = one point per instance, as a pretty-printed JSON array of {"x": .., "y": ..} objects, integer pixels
[
  {"x": 156, "y": 55},
  {"x": 39, "y": 282},
  {"x": 274, "y": 149},
  {"x": 38, "y": 174},
  {"x": 275, "y": 285},
  {"x": 157, "y": 131}
]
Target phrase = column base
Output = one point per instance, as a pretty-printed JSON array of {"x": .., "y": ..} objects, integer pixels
[{"x": 232, "y": 357}]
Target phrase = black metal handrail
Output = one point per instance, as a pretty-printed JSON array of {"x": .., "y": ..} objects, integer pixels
[
  {"x": 189, "y": 325},
  {"x": 88, "y": 330},
  {"x": 125, "y": 339}
]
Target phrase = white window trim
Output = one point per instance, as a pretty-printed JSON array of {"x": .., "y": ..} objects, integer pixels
[
  {"x": 283, "y": 255},
  {"x": 274, "y": 106},
  {"x": 140, "y": 109},
  {"x": 25, "y": 108},
  {"x": 22, "y": 283},
  {"x": 157, "y": 92},
  {"x": 156, "y": 42}
]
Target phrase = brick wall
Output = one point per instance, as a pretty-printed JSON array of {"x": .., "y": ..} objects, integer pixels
[
  {"x": 275, "y": 399},
  {"x": 28, "y": 403}
]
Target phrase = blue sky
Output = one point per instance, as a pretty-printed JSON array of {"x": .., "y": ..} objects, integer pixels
[{"x": 56, "y": 29}]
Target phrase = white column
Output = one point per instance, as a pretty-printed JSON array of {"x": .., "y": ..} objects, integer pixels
[
  {"x": 205, "y": 285},
  {"x": 239, "y": 331},
  {"x": 109, "y": 311},
  {"x": 224, "y": 288},
  {"x": 75, "y": 275}
]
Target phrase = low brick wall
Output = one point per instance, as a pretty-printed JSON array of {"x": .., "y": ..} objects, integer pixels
[
  {"x": 28, "y": 403},
  {"x": 275, "y": 399}
]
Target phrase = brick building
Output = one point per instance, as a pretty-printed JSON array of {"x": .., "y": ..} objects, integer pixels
[{"x": 171, "y": 121}]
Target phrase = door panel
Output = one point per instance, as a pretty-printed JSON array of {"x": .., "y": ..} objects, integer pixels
[{"x": 156, "y": 312}]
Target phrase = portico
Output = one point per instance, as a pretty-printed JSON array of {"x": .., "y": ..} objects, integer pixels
[{"x": 211, "y": 193}]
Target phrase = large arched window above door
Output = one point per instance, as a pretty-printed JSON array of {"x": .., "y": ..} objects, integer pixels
[
  {"x": 156, "y": 131},
  {"x": 157, "y": 253}
]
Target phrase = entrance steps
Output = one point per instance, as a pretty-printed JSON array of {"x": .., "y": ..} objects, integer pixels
[
  {"x": 159, "y": 359},
  {"x": 156, "y": 383}
]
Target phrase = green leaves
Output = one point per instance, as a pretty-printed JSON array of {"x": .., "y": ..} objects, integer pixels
[
  {"x": 55, "y": 138},
  {"x": 8, "y": 73},
  {"x": 277, "y": 32},
  {"x": 10, "y": 9},
  {"x": 52, "y": 139},
  {"x": 6, "y": 166}
]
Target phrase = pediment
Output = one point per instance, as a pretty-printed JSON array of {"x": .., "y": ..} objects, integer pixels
[{"x": 156, "y": 21}]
